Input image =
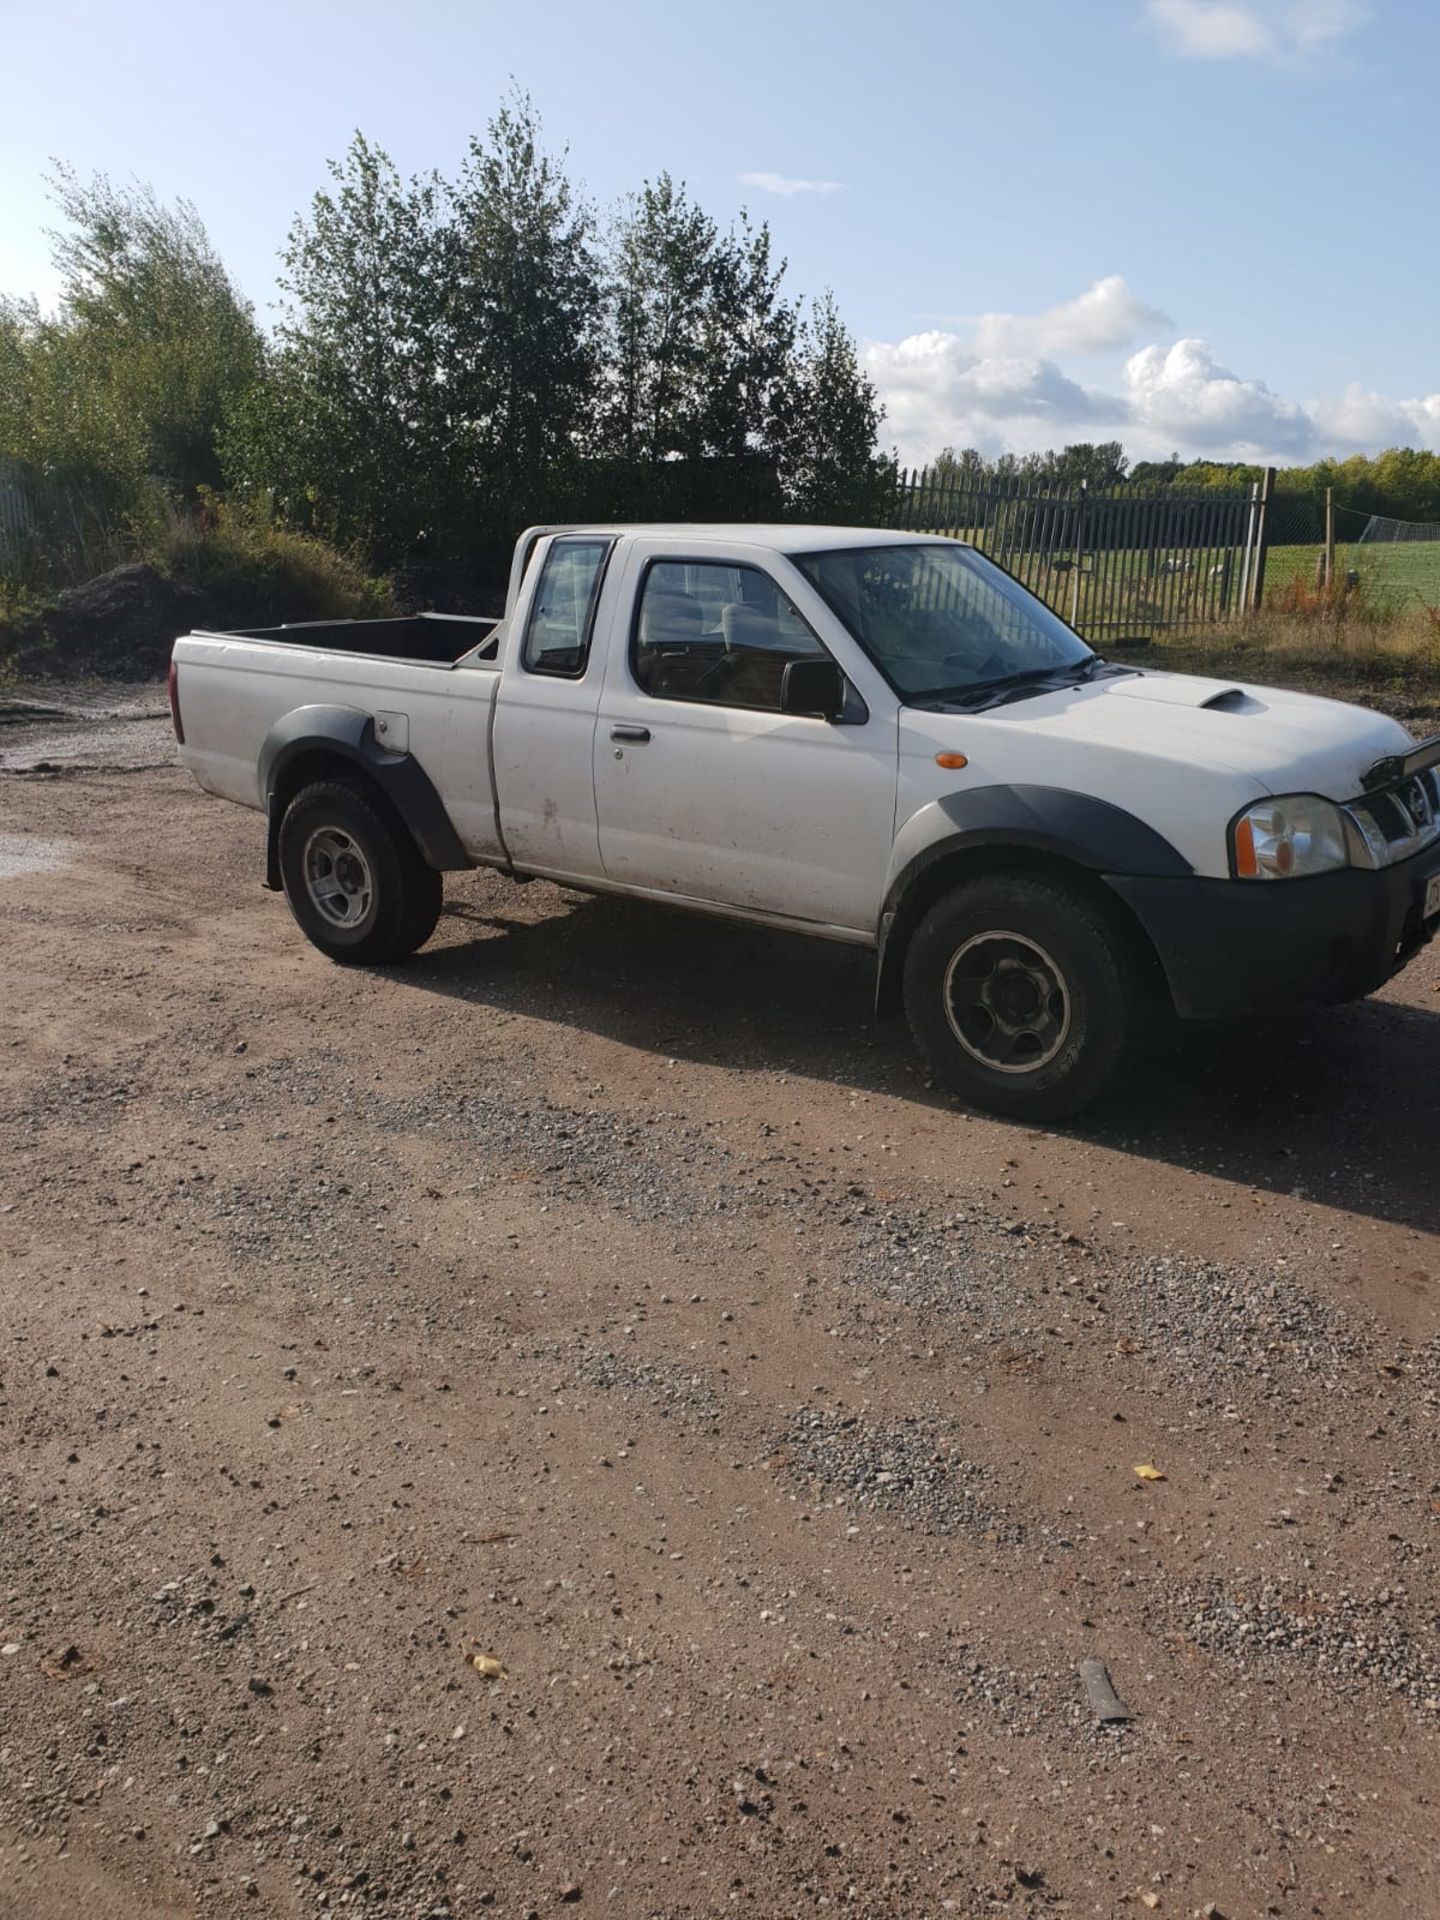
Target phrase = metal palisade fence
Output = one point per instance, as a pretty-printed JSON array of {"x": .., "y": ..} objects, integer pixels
[{"x": 1116, "y": 561}]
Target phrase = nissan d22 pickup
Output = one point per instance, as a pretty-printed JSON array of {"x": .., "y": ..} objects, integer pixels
[{"x": 866, "y": 736}]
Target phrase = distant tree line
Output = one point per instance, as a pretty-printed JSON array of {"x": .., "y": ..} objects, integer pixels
[
  {"x": 1402, "y": 483},
  {"x": 1102, "y": 465},
  {"x": 456, "y": 358}
]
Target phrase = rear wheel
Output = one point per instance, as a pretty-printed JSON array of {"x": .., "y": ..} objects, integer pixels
[
  {"x": 1024, "y": 996},
  {"x": 354, "y": 880}
]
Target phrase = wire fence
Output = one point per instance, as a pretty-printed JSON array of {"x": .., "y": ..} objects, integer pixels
[
  {"x": 53, "y": 533},
  {"x": 1395, "y": 560}
]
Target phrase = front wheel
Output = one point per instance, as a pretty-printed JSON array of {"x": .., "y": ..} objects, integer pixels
[
  {"x": 353, "y": 878},
  {"x": 1023, "y": 995}
]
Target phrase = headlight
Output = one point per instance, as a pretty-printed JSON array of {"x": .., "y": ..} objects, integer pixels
[{"x": 1288, "y": 838}]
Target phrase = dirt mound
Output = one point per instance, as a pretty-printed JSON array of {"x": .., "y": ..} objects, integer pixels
[{"x": 120, "y": 626}]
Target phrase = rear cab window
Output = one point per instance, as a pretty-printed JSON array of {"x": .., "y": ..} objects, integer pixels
[{"x": 562, "y": 613}]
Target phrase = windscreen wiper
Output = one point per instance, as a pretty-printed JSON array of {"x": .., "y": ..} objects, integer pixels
[{"x": 1017, "y": 686}]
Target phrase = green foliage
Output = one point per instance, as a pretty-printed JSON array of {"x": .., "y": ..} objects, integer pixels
[
  {"x": 658, "y": 291},
  {"x": 521, "y": 321},
  {"x": 122, "y": 390},
  {"x": 347, "y": 431},
  {"x": 254, "y": 573},
  {"x": 707, "y": 363},
  {"x": 461, "y": 358},
  {"x": 829, "y": 464},
  {"x": 1403, "y": 483},
  {"x": 1099, "y": 465}
]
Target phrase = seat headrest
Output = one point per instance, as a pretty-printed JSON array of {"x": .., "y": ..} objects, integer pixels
[
  {"x": 670, "y": 616},
  {"x": 742, "y": 626}
]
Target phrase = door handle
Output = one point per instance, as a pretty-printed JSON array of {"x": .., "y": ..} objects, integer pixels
[{"x": 629, "y": 733}]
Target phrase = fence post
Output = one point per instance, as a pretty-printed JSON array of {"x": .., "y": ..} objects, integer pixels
[
  {"x": 1329, "y": 538},
  {"x": 1079, "y": 555},
  {"x": 1262, "y": 540},
  {"x": 1247, "y": 553}
]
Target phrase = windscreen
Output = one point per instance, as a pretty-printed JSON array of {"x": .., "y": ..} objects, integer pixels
[{"x": 940, "y": 619}]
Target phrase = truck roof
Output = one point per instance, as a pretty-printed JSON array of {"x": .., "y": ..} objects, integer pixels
[{"x": 783, "y": 539}]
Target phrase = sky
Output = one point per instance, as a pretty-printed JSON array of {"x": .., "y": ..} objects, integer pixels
[{"x": 1202, "y": 226}]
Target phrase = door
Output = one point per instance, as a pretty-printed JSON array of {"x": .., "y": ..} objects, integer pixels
[
  {"x": 543, "y": 741},
  {"x": 703, "y": 787}
]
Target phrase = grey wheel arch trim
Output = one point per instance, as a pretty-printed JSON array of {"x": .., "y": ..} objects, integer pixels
[
  {"x": 1075, "y": 828},
  {"x": 348, "y": 733}
]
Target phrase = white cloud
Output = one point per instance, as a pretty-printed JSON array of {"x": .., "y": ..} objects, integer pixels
[
  {"x": 1253, "y": 29},
  {"x": 1180, "y": 394},
  {"x": 1359, "y": 418},
  {"x": 1210, "y": 29},
  {"x": 939, "y": 392},
  {"x": 781, "y": 183},
  {"x": 1107, "y": 315},
  {"x": 1311, "y": 23},
  {"x": 996, "y": 387}
]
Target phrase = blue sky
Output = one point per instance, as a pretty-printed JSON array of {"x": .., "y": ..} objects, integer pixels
[{"x": 1202, "y": 224}]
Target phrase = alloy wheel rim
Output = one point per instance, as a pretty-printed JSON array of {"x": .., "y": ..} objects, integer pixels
[
  {"x": 338, "y": 877},
  {"x": 1007, "y": 1002}
]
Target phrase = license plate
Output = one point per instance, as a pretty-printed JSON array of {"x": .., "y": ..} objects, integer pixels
[{"x": 1432, "y": 898}]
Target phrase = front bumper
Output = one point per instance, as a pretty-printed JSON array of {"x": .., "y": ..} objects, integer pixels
[{"x": 1230, "y": 945}]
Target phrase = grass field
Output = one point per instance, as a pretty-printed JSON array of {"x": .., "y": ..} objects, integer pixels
[
  {"x": 1135, "y": 592},
  {"x": 1407, "y": 571}
]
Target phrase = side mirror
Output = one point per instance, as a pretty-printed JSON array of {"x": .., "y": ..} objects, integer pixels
[{"x": 813, "y": 687}]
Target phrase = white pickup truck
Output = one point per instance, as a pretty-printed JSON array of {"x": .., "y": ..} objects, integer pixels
[{"x": 872, "y": 737}]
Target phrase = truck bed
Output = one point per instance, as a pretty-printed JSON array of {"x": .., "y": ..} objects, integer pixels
[{"x": 425, "y": 639}]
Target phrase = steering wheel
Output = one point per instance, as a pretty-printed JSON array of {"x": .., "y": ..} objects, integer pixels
[{"x": 726, "y": 660}]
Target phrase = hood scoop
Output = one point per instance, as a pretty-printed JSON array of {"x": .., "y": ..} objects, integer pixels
[
  {"x": 1230, "y": 700},
  {"x": 1187, "y": 690}
]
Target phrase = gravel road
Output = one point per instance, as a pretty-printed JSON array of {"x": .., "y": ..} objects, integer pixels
[{"x": 577, "y": 1423}]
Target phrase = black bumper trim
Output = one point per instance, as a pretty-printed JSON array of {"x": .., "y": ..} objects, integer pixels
[{"x": 1228, "y": 946}]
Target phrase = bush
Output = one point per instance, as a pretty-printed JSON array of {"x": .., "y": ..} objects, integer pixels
[
  {"x": 255, "y": 574},
  {"x": 220, "y": 566}
]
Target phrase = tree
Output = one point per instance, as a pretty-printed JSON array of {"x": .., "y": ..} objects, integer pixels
[
  {"x": 658, "y": 288},
  {"x": 1085, "y": 463},
  {"x": 127, "y": 384},
  {"x": 350, "y": 433},
  {"x": 520, "y": 359},
  {"x": 830, "y": 467},
  {"x": 749, "y": 341}
]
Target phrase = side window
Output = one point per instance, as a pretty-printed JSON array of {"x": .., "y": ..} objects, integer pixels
[
  {"x": 557, "y": 634},
  {"x": 717, "y": 633}
]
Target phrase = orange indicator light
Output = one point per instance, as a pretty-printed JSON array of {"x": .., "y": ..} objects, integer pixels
[
  {"x": 1246, "y": 865},
  {"x": 955, "y": 760}
]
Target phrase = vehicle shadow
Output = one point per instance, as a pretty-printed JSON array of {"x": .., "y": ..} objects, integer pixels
[{"x": 1338, "y": 1104}]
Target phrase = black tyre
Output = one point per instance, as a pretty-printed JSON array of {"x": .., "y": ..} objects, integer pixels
[
  {"x": 1024, "y": 996},
  {"x": 354, "y": 880}
]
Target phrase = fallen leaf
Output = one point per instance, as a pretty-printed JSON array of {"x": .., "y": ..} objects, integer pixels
[
  {"x": 1151, "y": 1900},
  {"x": 1146, "y": 1472},
  {"x": 485, "y": 1664}
]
